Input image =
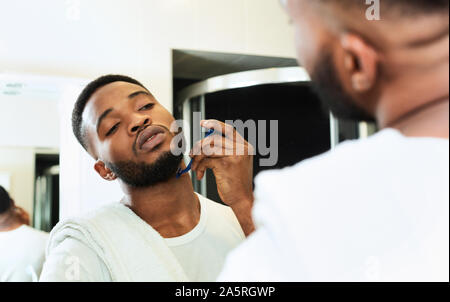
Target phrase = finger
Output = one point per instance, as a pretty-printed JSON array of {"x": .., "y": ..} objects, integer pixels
[
  {"x": 206, "y": 144},
  {"x": 203, "y": 165},
  {"x": 219, "y": 151},
  {"x": 200, "y": 172},
  {"x": 217, "y": 141},
  {"x": 216, "y": 148},
  {"x": 225, "y": 129},
  {"x": 229, "y": 147},
  {"x": 214, "y": 153}
]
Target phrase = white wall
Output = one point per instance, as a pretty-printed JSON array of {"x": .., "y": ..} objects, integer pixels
[
  {"x": 134, "y": 37},
  {"x": 88, "y": 38},
  {"x": 29, "y": 120},
  {"x": 29, "y": 115},
  {"x": 18, "y": 162}
]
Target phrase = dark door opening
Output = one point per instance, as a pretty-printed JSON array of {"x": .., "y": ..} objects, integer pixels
[
  {"x": 46, "y": 199},
  {"x": 303, "y": 127}
]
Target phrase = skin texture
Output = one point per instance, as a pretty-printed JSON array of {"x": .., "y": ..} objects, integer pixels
[
  {"x": 170, "y": 207},
  {"x": 396, "y": 70}
]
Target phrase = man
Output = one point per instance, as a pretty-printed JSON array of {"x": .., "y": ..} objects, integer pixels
[
  {"x": 161, "y": 230},
  {"x": 22, "y": 248},
  {"x": 375, "y": 209}
]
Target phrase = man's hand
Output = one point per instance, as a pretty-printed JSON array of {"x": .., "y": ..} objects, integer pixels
[{"x": 230, "y": 157}]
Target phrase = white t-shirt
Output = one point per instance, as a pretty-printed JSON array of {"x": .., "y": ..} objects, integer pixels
[
  {"x": 370, "y": 210},
  {"x": 22, "y": 254},
  {"x": 201, "y": 252}
]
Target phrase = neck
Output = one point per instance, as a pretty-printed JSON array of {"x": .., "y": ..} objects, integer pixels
[
  {"x": 9, "y": 222},
  {"x": 417, "y": 104},
  {"x": 430, "y": 120},
  {"x": 172, "y": 208}
]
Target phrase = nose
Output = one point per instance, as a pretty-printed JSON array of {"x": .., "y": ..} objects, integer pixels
[{"x": 137, "y": 123}]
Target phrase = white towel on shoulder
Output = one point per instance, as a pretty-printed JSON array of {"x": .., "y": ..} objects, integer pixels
[{"x": 130, "y": 248}]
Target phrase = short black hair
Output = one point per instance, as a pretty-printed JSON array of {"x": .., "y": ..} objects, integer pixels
[
  {"x": 84, "y": 97},
  {"x": 5, "y": 200},
  {"x": 406, "y": 7}
]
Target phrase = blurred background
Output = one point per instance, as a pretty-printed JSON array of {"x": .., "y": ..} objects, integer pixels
[{"x": 229, "y": 59}]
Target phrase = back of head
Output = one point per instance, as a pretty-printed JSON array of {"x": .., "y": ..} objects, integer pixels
[
  {"x": 362, "y": 54},
  {"x": 5, "y": 201},
  {"x": 392, "y": 23},
  {"x": 354, "y": 14},
  {"x": 409, "y": 7}
]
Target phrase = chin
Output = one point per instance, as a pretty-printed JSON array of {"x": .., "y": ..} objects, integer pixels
[{"x": 151, "y": 157}]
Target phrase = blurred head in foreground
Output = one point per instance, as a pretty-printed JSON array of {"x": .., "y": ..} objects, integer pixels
[{"x": 374, "y": 61}]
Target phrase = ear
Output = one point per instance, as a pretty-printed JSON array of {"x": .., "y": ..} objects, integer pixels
[
  {"x": 103, "y": 171},
  {"x": 360, "y": 62}
]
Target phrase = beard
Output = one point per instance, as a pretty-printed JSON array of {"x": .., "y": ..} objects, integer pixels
[
  {"x": 325, "y": 83},
  {"x": 141, "y": 174}
]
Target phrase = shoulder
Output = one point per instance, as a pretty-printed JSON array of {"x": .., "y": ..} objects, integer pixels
[
  {"x": 82, "y": 227},
  {"x": 213, "y": 205},
  {"x": 325, "y": 186},
  {"x": 36, "y": 238},
  {"x": 103, "y": 212},
  {"x": 215, "y": 209},
  {"x": 220, "y": 216},
  {"x": 72, "y": 260},
  {"x": 344, "y": 152},
  {"x": 358, "y": 183},
  {"x": 366, "y": 194},
  {"x": 351, "y": 159},
  {"x": 35, "y": 233},
  {"x": 72, "y": 243},
  {"x": 98, "y": 215},
  {"x": 358, "y": 162}
]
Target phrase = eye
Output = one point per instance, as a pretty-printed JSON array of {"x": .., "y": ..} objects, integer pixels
[
  {"x": 113, "y": 129},
  {"x": 147, "y": 107}
]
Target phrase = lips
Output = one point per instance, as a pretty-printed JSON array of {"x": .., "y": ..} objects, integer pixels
[{"x": 150, "y": 137}]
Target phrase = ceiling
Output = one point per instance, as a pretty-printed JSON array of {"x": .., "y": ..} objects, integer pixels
[{"x": 201, "y": 65}]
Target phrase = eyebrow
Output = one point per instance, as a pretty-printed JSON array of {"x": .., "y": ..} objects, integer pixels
[
  {"x": 103, "y": 116},
  {"x": 109, "y": 110},
  {"x": 135, "y": 94}
]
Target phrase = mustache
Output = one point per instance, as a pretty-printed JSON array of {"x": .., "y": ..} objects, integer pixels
[{"x": 134, "y": 147}]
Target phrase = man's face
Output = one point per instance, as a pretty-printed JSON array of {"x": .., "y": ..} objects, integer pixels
[
  {"x": 128, "y": 130},
  {"x": 316, "y": 48}
]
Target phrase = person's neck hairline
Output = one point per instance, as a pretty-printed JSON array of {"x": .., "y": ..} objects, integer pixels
[{"x": 9, "y": 221}]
